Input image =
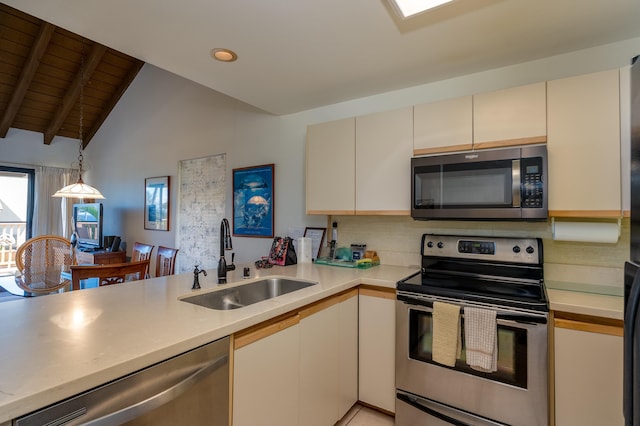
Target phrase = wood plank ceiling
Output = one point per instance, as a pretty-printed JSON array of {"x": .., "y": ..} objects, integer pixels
[{"x": 41, "y": 78}]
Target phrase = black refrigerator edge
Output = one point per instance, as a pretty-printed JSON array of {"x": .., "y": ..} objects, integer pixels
[{"x": 631, "y": 380}]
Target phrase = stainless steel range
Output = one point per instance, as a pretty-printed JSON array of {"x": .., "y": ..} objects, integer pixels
[{"x": 496, "y": 278}]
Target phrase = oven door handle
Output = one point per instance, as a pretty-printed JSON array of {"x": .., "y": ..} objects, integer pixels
[
  {"x": 427, "y": 306},
  {"x": 431, "y": 408}
]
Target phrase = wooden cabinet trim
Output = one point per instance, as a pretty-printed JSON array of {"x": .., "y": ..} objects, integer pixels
[
  {"x": 440, "y": 150},
  {"x": 265, "y": 329},
  {"x": 383, "y": 212},
  {"x": 376, "y": 291},
  {"x": 511, "y": 142},
  {"x": 334, "y": 212},
  {"x": 588, "y": 323},
  {"x": 586, "y": 213},
  {"x": 323, "y": 304}
]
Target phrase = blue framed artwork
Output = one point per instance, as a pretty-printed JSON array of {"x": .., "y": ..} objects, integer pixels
[{"x": 253, "y": 201}]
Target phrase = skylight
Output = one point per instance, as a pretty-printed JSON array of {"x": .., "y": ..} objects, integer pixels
[{"x": 407, "y": 8}]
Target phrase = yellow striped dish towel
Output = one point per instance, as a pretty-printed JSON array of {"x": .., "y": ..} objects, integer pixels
[{"x": 446, "y": 333}]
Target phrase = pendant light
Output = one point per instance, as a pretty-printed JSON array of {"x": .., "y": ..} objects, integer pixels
[{"x": 80, "y": 189}]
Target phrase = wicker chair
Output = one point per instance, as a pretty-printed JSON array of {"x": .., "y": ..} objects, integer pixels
[
  {"x": 166, "y": 261},
  {"x": 40, "y": 257}
]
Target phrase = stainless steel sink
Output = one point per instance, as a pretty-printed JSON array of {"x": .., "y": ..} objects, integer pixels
[{"x": 248, "y": 294}]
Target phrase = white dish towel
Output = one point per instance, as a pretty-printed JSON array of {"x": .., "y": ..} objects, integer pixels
[{"x": 481, "y": 341}]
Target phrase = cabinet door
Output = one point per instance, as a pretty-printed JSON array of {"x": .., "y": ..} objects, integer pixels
[
  {"x": 377, "y": 342},
  {"x": 331, "y": 167},
  {"x": 443, "y": 126},
  {"x": 588, "y": 378},
  {"x": 584, "y": 145},
  {"x": 265, "y": 376},
  {"x": 348, "y": 353},
  {"x": 319, "y": 365},
  {"x": 513, "y": 116},
  {"x": 384, "y": 145}
]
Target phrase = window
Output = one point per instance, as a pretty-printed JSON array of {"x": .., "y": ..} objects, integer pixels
[{"x": 16, "y": 213}]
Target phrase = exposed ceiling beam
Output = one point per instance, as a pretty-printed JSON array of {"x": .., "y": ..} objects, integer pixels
[
  {"x": 72, "y": 95},
  {"x": 26, "y": 76},
  {"x": 106, "y": 109}
]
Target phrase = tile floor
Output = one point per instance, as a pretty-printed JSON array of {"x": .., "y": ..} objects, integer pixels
[{"x": 365, "y": 416}]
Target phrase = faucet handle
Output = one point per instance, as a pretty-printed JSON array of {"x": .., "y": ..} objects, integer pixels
[{"x": 232, "y": 267}]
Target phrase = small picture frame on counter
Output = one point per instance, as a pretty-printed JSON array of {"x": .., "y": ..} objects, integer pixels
[{"x": 317, "y": 237}]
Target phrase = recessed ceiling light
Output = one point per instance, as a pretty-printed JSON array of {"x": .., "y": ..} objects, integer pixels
[
  {"x": 224, "y": 55},
  {"x": 407, "y": 8}
]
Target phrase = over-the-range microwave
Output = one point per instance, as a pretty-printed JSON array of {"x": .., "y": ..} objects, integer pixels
[{"x": 492, "y": 184}]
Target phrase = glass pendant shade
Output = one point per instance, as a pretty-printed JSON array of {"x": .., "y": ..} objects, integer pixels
[{"x": 79, "y": 190}]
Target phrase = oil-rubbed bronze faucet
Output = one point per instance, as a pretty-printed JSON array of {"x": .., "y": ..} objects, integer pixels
[
  {"x": 196, "y": 277},
  {"x": 225, "y": 244}
]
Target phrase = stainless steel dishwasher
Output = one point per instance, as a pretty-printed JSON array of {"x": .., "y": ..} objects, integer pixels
[{"x": 191, "y": 388}]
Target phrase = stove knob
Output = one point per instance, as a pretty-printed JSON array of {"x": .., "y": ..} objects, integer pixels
[
  {"x": 440, "y": 244},
  {"x": 430, "y": 244},
  {"x": 530, "y": 250},
  {"x": 516, "y": 249}
]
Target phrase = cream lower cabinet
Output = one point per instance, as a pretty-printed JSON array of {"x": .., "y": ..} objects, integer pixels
[
  {"x": 266, "y": 364},
  {"x": 377, "y": 343},
  {"x": 328, "y": 359},
  {"x": 588, "y": 374},
  {"x": 300, "y": 370},
  {"x": 584, "y": 145}
]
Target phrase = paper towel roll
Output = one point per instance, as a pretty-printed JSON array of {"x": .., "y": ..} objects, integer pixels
[
  {"x": 304, "y": 250},
  {"x": 592, "y": 232}
]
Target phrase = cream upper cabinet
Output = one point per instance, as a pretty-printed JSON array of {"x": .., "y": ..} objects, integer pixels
[
  {"x": 443, "y": 126},
  {"x": 384, "y": 146},
  {"x": 584, "y": 145},
  {"x": 513, "y": 116},
  {"x": 377, "y": 353},
  {"x": 331, "y": 167},
  {"x": 588, "y": 374}
]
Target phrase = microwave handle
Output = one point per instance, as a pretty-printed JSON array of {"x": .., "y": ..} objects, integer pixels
[{"x": 515, "y": 183}]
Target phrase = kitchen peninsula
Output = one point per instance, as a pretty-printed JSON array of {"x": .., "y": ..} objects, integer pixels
[{"x": 59, "y": 345}]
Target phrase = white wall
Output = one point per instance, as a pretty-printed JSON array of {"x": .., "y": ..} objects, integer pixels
[{"x": 163, "y": 118}]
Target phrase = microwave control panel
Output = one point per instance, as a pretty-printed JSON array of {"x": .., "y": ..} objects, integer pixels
[{"x": 532, "y": 185}]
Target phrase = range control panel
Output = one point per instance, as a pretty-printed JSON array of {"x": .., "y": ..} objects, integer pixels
[{"x": 503, "y": 249}]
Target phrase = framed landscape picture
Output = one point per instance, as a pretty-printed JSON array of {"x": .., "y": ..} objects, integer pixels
[
  {"x": 156, "y": 203},
  {"x": 253, "y": 194}
]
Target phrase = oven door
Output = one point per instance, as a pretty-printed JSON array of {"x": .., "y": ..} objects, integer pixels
[{"x": 517, "y": 393}]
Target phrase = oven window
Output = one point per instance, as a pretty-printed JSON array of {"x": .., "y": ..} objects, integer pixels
[
  {"x": 478, "y": 185},
  {"x": 512, "y": 350}
]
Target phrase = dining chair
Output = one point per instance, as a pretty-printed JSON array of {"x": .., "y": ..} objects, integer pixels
[
  {"x": 115, "y": 273},
  {"x": 166, "y": 261},
  {"x": 141, "y": 251},
  {"x": 41, "y": 261}
]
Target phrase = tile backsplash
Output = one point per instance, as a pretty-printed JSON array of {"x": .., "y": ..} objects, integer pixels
[{"x": 397, "y": 241}]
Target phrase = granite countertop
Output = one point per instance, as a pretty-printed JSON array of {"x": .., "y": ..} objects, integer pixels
[{"x": 59, "y": 345}]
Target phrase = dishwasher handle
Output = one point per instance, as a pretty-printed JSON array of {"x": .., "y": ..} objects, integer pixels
[{"x": 135, "y": 410}]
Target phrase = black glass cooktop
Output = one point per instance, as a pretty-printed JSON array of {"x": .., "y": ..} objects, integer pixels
[{"x": 507, "y": 291}]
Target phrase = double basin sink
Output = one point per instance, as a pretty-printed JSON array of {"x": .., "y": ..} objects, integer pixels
[{"x": 248, "y": 294}]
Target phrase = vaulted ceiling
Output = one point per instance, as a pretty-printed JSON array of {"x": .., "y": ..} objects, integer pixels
[{"x": 45, "y": 71}]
